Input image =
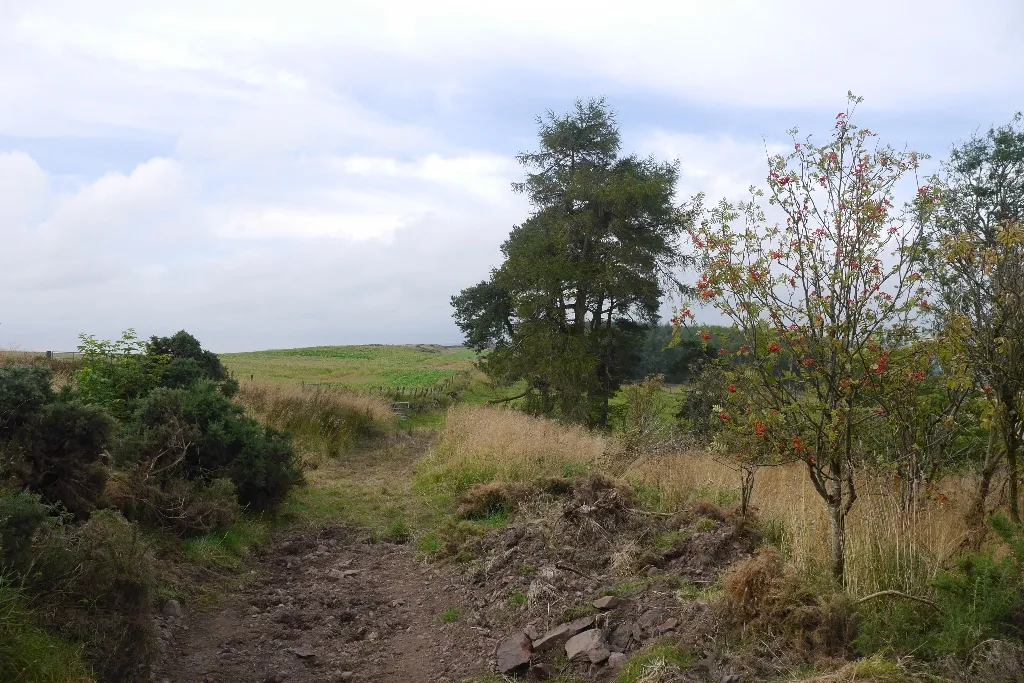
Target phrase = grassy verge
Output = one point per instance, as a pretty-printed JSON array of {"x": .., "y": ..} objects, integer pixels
[{"x": 27, "y": 653}]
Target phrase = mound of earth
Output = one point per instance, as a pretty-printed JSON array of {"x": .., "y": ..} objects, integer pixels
[{"x": 582, "y": 576}]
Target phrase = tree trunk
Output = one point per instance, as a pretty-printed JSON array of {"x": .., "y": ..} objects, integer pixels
[
  {"x": 607, "y": 370},
  {"x": 837, "y": 537},
  {"x": 976, "y": 515},
  {"x": 1012, "y": 443}
]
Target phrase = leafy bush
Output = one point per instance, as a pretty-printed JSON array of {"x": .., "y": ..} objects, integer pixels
[
  {"x": 24, "y": 389},
  {"x": 22, "y": 516},
  {"x": 60, "y": 454},
  {"x": 198, "y": 433},
  {"x": 114, "y": 373}
]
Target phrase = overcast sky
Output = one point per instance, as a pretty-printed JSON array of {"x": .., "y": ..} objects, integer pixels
[{"x": 271, "y": 174}]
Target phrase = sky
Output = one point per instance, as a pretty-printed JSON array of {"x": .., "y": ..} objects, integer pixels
[{"x": 284, "y": 174}]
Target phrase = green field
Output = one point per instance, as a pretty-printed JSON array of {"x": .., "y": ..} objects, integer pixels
[{"x": 355, "y": 367}]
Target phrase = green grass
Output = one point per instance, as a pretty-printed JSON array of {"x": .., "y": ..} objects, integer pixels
[
  {"x": 227, "y": 548},
  {"x": 356, "y": 367},
  {"x": 517, "y": 599},
  {"x": 450, "y": 615},
  {"x": 656, "y": 663},
  {"x": 669, "y": 539},
  {"x": 27, "y": 653}
]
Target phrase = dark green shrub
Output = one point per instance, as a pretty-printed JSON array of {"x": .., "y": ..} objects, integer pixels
[
  {"x": 22, "y": 516},
  {"x": 184, "y": 347},
  {"x": 24, "y": 389},
  {"x": 697, "y": 411},
  {"x": 60, "y": 454},
  {"x": 201, "y": 434},
  {"x": 979, "y": 599},
  {"x": 93, "y": 582}
]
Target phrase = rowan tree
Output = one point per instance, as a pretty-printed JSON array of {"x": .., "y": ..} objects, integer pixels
[
  {"x": 823, "y": 298},
  {"x": 979, "y": 272}
]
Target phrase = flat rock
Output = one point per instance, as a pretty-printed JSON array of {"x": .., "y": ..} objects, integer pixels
[
  {"x": 304, "y": 652},
  {"x": 607, "y": 602},
  {"x": 650, "y": 619},
  {"x": 589, "y": 644},
  {"x": 667, "y": 625},
  {"x": 561, "y": 634},
  {"x": 513, "y": 653},
  {"x": 531, "y": 632}
]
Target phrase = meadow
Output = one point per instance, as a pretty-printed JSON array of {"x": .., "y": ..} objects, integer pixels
[{"x": 360, "y": 368}]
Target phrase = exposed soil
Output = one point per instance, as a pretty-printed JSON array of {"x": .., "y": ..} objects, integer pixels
[{"x": 330, "y": 606}]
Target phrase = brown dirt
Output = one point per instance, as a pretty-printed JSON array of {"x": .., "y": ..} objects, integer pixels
[{"x": 329, "y": 604}]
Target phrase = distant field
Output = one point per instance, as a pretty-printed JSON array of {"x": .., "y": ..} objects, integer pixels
[{"x": 356, "y": 367}]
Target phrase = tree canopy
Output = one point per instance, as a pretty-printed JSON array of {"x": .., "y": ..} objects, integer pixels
[{"x": 584, "y": 274}]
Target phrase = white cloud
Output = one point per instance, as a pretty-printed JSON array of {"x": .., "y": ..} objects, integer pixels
[
  {"x": 323, "y": 178},
  {"x": 720, "y": 166}
]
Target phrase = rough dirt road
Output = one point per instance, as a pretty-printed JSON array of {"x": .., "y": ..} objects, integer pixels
[{"x": 328, "y": 608}]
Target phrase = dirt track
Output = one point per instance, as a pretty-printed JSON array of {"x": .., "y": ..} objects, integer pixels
[{"x": 330, "y": 608}]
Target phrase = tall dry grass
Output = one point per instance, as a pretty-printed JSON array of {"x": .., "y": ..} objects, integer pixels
[
  {"x": 482, "y": 444},
  {"x": 63, "y": 367},
  {"x": 886, "y": 547},
  {"x": 323, "y": 421}
]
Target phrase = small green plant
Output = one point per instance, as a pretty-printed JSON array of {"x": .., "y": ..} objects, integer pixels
[
  {"x": 517, "y": 600},
  {"x": 670, "y": 539},
  {"x": 661, "y": 662},
  {"x": 527, "y": 569},
  {"x": 627, "y": 588},
  {"x": 775, "y": 533},
  {"x": 228, "y": 547},
  {"x": 575, "y": 469},
  {"x": 577, "y": 611},
  {"x": 397, "y": 530},
  {"x": 429, "y": 544},
  {"x": 704, "y": 524},
  {"x": 450, "y": 615}
]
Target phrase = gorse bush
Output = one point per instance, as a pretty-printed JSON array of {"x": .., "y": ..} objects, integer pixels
[
  {"x": 978, "y": 599},
  {"x": 146, "y": 434},
  {"x": 200, "y": 434},
  {"x": 24, "y": 390}
]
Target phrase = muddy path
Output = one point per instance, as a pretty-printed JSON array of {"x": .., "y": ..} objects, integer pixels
[
  {"x": 334, "y": 603},
  {"x": 330, "y": 607}
]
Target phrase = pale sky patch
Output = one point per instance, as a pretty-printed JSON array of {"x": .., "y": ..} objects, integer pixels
[{"x": 268, "y": 173}]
